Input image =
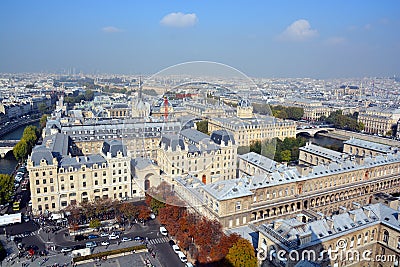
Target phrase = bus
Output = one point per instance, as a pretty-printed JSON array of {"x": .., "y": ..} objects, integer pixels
[{"x": 16, "y": 206}]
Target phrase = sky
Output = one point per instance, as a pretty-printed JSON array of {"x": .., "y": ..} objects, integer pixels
[{"x": 271, "y": 39}]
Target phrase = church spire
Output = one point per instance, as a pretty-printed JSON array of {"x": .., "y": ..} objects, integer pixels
[{"x": 140, "y": 88}]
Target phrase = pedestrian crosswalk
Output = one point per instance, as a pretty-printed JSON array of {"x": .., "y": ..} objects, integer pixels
[
  {"x": 25, "y": 234},
  {"x": 159, "y": 240}
]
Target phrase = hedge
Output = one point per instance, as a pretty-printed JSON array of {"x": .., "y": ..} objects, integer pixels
[{"x": 108, "y": 253}]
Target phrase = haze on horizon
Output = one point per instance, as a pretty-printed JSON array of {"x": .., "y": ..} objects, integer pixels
[{"x": 318, "y": 39}]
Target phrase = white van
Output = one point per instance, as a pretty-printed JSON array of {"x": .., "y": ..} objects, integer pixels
[
  {"x": 163, "y": 231},
  {"x": 182, "y": 256}
]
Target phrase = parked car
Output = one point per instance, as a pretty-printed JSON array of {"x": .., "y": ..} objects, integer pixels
[
  {"x": 105, "y": 243},
  {"x": 80, "y": 237},
  {"x": 176, "y": 248},
  {"x": 91, "y": 244},
  {"x": 138, "y": 238},
  {"x": 171, "y": 243},
  {"x": 104, "y": 234},
  {"x": 66, "y": 249},
  {"x": 113, "y": 236},
  {"x": 93, "y": 236},
  {"x": 126, "y": 239},
  {"x": 163, "y": 231},
  {"x": 182, "y": 256}
]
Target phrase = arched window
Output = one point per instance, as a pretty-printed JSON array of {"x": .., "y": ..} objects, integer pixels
[{"x": 385, "y": 236}]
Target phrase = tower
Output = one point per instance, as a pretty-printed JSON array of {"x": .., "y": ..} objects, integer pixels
[{"x": 244, "y": 109}]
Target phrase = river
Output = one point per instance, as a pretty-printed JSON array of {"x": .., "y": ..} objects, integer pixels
[
  {"x": 8, "y": 164},
  {"x": 326, "y": 141}
]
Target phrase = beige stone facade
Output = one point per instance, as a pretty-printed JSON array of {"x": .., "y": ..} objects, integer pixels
[
  {"x": 194, "y": 153},
  {"x": 379, "y": 121},
  {"x": 58, "y": 179}
]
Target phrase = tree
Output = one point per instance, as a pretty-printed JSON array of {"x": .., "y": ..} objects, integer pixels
[
  {"x": 20, "y": 150},
  {"x": 95, "y": 223},
  {"x": 156, "y": 205},
  {"x": 241, "y": 254},
  {"x": 202, "y": 126},
  {"x": 89, "y": 95},
  {"x": 6, "y": 188},
  {"x": 129, "y": 210},
  {"x": 43, "y": 121},
  {"x": 144, "y": 213},
  {"x": 286, "y": 155}
]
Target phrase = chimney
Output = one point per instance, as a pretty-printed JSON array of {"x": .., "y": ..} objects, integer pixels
[
  {"x": 356, "y": 205},
  {"x": 303, "y": 170},
  {"x": 352, "y": 216},
  {"x": 305, "y": 237},
  {"x": 77, "y": 158}
]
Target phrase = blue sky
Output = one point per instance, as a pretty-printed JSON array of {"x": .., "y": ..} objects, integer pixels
[{"x": 319, "y": 39}]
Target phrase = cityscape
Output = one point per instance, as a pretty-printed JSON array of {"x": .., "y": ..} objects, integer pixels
[{"x": 122, "y": 146}]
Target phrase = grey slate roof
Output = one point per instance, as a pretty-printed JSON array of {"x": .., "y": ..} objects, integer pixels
[
  {"x": 141, "y": 163},
  {"x": 113, "y": 147},
  {"x": 323, "y": 152},
  {"x": 78, "y": 161},
  {"x": 194, "y": 135},
  {"x": 172, "y": 141},
  {"x": 369, "y": 145},
  {"x": 41, "y": 152},
  {"x": 222, "y": 136}
]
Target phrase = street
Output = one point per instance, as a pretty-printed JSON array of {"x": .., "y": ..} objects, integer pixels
[{"x": 30, "y": 234}]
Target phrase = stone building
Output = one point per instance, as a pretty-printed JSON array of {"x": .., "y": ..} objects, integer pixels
[
  {"x": 59, "y": 178},
  {"x": 363, "y": 236},
  {"x": 379, "y": 120},
  {"x": 285, "y": 192}
]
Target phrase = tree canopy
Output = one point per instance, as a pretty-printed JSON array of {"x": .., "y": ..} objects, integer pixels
[
  {"x": 28, "y": 140},
  {"x": 242, "y": 254},
  {"x": 202, "y": 126},
  {"x": 347, "y": 122},
  {"x": 6, "y": 188},
  {"x": 278, "y": 150},
  {"x": 279, "y": 111}
]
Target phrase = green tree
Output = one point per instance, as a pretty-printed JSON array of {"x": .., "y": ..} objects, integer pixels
[
  {"x": 255, "y": 146},
  {"x": 286, "y": 155},
  {"x": 89, "y": 95},
  {"x": 241, "y": 254},
  {"x": 20, "y": 150},
  {"x": 95, "y": 223},
  {"x": 202, "y": 126},
  {"x": 6, "y": 188},
  {"x": 156, "y": 205},
  {"x": 43, "y": 121}
]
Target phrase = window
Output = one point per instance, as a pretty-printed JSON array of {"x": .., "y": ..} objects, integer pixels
[
  {"x": 398, "y": 242},
  {"x": 62, "y": 178},
  {"x": 53, "y": 205},
  {"x": 51, "y": 188},
  {"x": 96, "y": 182},
  {"x": 50, "y": 173},
  {"x": 83, "y": 176},
  {"x": 51, "y": 180},
  {"x": 95, "y": 174},
  {"x": 72, "y": 186},
  {"x": 71, "y": 177},
  {"x": 37, "y": 182},
  {"x": 64, "y": 203},
  {"x": 238, "y": 205},
  {"x": 37, "y": 174},
  {"x": 43, "y": 173},
  {"x": 104, "y": 181},
  {"x": 84, "y": 184},
  {"x": 39, "y": 199},
  {"x": 385, "y": 236},
  {"x": 44, "y": 181},
  {"x": 38, "y": 190}
]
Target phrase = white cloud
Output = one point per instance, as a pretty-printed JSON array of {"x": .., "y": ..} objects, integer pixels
[
  {"x": 179, "y": 20},
  {"x": 111, "y": 29},
  {"x": 300, "y": 30}
]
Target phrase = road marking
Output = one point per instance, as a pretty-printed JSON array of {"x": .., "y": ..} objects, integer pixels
[{"x": 159, "y": 240}]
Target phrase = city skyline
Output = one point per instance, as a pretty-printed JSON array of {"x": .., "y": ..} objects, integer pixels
[{"x": 273, "y": 39}]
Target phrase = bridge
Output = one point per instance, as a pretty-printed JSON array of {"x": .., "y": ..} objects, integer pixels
[
  {"x": 312, "y": 131},
  {"x": 7, "y": 146}
]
